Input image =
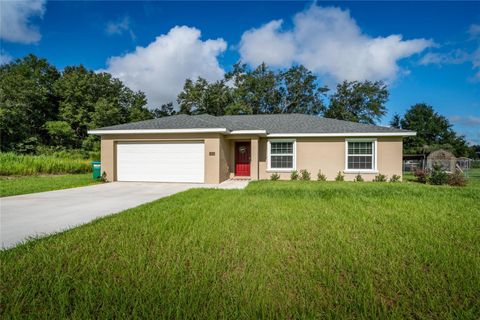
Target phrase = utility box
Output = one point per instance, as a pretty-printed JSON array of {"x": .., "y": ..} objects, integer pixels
[{"x": 96, "y": 170}]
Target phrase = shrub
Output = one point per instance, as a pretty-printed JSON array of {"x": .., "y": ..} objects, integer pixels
[
  {"x": 321, "y": 176},
  {"x": 340, "y": 176},
  {"x": 395, "y": 178},
  {"x": 421, "y": 175},
  {"x": 304, "y": 175},
  {"x": 457, "y": 179},
  {"x": 274, "y": 177},
  {"x": 380, "y": 178},
  {"x": 294, "y": 175},
  {"x": 437, "y": 176},
  {"x": 358, "y": 178}
]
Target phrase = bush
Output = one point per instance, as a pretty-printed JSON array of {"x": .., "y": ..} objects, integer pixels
[
  {"x": 321, "y": 176},
  {"x": 304, "y": 175},
  {"x": 380, "y": 178},
  {"x": 14, "y": 164},
  {"x": 294, "y": 175},
  {"x": 358, "y": 178},
  {"x": 457, "y": 179},
  {"x": 340, "y": 176},
  {"x": 395, "y": 178},
  {"x": 421, "y": 175},
  {"x": 274, "y": 177},
  {"x": 437, "y": 176}
]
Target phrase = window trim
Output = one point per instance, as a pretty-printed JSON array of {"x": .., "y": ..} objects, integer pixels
[
  {"x": 269, "y": 153},
  {"x": 374, "y": 162}
]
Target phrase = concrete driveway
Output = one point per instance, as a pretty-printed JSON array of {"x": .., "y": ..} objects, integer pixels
[{"x": 43, "y": 213}]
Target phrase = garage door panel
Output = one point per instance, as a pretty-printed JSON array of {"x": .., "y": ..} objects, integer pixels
[{"x": 162, "y": 162}]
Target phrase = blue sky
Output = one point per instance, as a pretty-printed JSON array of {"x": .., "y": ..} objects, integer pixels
[{"x": 426, "y": 51}]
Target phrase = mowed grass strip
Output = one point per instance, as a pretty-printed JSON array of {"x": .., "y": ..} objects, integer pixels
[
  {"x": 11, "y": 186},
  {"x": 274, "y": 250}
]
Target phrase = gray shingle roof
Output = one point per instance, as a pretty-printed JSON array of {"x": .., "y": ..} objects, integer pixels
[{"x": 272, "y": 123}]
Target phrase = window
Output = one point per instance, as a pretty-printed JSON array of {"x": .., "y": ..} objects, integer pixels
[
  {"x": 281, "y": 155},
  {"x": 361, "y": 155}
]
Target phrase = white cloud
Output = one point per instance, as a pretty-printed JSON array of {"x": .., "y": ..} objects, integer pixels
[
  {"x": 119, "y": 27},
  {"x": 15, "y": 20},
  {"x": 457, "y": 56},
  {"x": 466, "y": 120},
  {"x": 5, "y": 58},
  {"x": 328, "y": 41},
  {"x": 281, "y": 49},
  {"x": 160, "y": 69},
  {"x": 474, "y": 30}
]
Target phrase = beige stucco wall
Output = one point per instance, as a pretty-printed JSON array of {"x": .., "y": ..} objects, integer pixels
[
  {"x": 213, "y": 152},
  {"x": 328, "y": 155},
  {"x": 225, "y": 163},
  {"x": 313, "y": 154}
]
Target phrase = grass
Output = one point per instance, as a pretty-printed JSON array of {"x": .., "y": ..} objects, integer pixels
[
  {"x": 22, "y": 165},
  {"x": 474, "y": 174},
  {"x": 11, "y": 186},
  {"x": 274, "y": 250}
]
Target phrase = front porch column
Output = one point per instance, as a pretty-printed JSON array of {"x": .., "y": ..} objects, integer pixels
[{"x": 254, "y": 159}]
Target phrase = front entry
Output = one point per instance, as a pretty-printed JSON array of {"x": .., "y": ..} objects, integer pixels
[{"x": 242, "y": 159}]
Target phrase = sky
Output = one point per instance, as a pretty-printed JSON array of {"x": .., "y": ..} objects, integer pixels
[{"x": 425, "y": 51}]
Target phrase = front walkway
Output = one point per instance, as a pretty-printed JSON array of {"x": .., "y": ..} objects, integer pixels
[{"x": 234, "y": 184}]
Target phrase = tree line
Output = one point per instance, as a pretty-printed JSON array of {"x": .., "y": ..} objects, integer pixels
[
  {"x": 43, "y": 108},
  {"x": 296, "y": 90}
]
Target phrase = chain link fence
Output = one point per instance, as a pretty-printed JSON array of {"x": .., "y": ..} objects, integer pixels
[{"x": 469, "y": 167}]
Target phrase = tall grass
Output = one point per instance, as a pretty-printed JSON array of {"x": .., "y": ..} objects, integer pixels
[{"x": 14, "y": 164}]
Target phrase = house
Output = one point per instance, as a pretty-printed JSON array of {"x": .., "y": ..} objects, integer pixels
[{"x": 210, "y": 149}]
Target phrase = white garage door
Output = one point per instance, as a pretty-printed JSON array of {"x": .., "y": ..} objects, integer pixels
[{"x": 161, "y": 161}]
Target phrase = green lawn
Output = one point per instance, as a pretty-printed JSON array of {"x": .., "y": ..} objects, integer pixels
[
  {"x": 10, "y": 186},
  {"x": 274, "y": 250},
  {"x": 474, "y": 174}
]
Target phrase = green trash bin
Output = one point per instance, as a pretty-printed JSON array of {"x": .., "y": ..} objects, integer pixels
[{"x": 96, "y": 170}]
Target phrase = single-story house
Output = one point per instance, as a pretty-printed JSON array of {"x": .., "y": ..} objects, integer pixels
[{"x": 211, "y": 149}]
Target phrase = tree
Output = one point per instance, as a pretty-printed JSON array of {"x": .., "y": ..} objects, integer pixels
[
  {"x": 60, "y": 132},
  {"x": 38, "y": 104},
  {"x": 300, "y": 92},
  {"x": 27, "y": 101},
  {"x": 90, "y": 100},
  {"x": 434, "y": 131},
  {"x": 106, "y": 114},
  {"x": 395, "y": 122},
  {"x": 254, "y": 91},
  {"x": 202, "y": 97},
  {"x": 190, "y": 99},
  {"x": 475, "y": 151},
  {"x": 164, "y": 111},
  {"x": 136, "y": 106},
  {"x": 356, "y": 101}
]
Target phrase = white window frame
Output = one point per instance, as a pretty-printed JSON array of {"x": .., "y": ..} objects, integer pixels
[
  {"x": 269, "y": 153},
  {"x": 374, "y": 160}
]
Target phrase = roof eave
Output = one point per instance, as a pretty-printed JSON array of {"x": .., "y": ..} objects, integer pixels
[
  {"x": 144, "y": 131},
  {"x": 345, "y": 134},
  {"x": 255, "y": 132}
]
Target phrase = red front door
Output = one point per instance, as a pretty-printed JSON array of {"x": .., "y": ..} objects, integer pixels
[{"x": 242, "y": 159}]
